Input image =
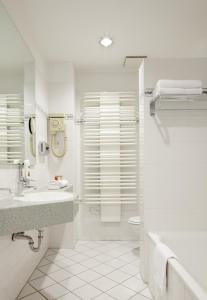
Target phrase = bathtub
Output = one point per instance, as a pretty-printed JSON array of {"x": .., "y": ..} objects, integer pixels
[{"x": 187, "y": 275}]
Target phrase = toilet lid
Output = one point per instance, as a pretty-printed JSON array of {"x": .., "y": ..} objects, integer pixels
[{"x": 135, "y": 220}]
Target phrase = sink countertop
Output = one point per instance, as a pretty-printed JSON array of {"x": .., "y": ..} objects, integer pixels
[{"x": 16, "y": 215}]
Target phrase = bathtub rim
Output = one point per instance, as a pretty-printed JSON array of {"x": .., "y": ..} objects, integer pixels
[{"x": 196, "y": 290}]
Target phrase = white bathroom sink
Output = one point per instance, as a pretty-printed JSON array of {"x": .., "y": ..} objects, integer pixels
[{"x": 45, "y": 197}]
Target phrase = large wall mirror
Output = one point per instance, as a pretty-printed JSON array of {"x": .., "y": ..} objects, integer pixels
[{"x": 17, "y": 97}]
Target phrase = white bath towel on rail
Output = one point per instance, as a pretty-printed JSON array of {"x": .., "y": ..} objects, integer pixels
[
  {"x": 177, "y": 91},
  {"x": 180, "y": 84},
  {"x": 161, "y": 256}
]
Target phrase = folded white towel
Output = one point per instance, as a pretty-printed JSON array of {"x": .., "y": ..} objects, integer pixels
[
  {"x": 180, "y": 84},
  {"x": 58, "y": 184},
  {"x": 177, "y": 91},
  {"x": 160, "y": 259}
]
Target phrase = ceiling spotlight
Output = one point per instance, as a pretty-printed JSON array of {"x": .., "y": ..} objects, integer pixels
[{"x": 106, "y": 41}]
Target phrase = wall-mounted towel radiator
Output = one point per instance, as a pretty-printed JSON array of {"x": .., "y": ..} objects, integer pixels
[{"x": 109, "y": 146}]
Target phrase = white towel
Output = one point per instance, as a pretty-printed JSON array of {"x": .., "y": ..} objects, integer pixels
[
  {"x": 160, "y": 259},
  {"x": 180, "y": 84},
  {"x": 177, "y": 91},
  {"x": 57, "y": 184}
]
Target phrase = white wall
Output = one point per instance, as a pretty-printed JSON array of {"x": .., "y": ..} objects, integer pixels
[
  {"x": 175, "y": 160},
  {"x": 90, "y": 225},
  {"x": 109, "y": 80}
]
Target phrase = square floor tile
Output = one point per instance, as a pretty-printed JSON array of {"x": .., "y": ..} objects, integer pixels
[
  {"x": 134, "y": 284},
  {"x": 54, "y": 291},
  {"x": 90, "y": 263},
  {"x": 116, "y": 252},
  {"x": 146, "y": 293},
  {"x": 69, "y": 296},
  {"x": 103, "y": 297},
  {"x": 104, "y": 284},
  {"x": 103, "y": 258},
  {"x": 27, "y": 290},
  {"x": 36, "y": 274},
  {"x": 130, "y": 269},
  {"x": 138, "y": 275},
  {"x": 136, "y": 263},
  {"x": 79, "y": 273},
  {"x": 60, "y": 275},
  {"x": 91, "y": 253},
  {"x": 76, "y": 269},
  {"x": 42, "y": 282},
  {"x": 138, "y": 297},
  {"x": 47, "y": 269},
  {"x": 118, "y": 276},
  {"x": 66, "y": 262},
  {"x": 87, "y": 292},
  {"x": 73, "y": 283},
  {"x": 55, "y": 257},
  {"x": 67, "y": 252},
  {"x": 121, "y": 293},
  {"x": 128, "y": 257},
  {"x": 116, "y": 263},
  {"x": 89, "y": 275},
  {"x": 35, "y": 296},
  {"x": 44, "y": 262},
  {"x": 103, "y": 269},
  {"x": 79, "y": 257},
  {"x": 49, "y": 252}
]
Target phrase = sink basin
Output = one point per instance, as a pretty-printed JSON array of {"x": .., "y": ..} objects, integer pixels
[{"x": 45, "y": 197}]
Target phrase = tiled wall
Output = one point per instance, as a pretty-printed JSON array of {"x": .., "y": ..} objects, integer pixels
[
  {"x": 175, "y": 161},
  {"x": 90, "y": 226},
  {"x": 61, "y": 89}
]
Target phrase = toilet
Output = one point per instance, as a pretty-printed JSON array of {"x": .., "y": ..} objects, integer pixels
[{"x": 134, "y": 223}]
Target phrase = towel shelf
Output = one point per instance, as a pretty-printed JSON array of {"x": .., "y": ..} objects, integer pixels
[{"x": 183, "y": 102}]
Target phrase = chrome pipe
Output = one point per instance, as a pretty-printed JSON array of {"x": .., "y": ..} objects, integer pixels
[{"x": 23, "y": 236}]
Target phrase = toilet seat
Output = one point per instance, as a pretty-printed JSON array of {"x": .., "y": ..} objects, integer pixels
[{"x": 135, "y": 220}]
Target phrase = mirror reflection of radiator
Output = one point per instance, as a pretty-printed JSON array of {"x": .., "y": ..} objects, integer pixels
[
  {"x": 11, "y": 128},
  {"x": 109, "y": 151}
]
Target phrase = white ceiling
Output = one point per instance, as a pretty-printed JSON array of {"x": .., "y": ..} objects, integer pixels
[{"x": 69, "y": 30}]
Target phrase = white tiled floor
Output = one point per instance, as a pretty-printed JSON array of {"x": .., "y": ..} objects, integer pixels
[{"x": 101, "y": 270}]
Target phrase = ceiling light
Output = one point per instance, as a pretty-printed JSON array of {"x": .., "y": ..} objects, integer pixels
[{"x": 106, "y": 41}]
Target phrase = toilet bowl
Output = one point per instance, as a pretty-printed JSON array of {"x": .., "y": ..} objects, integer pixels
[{"x": 134, "y": 223}]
